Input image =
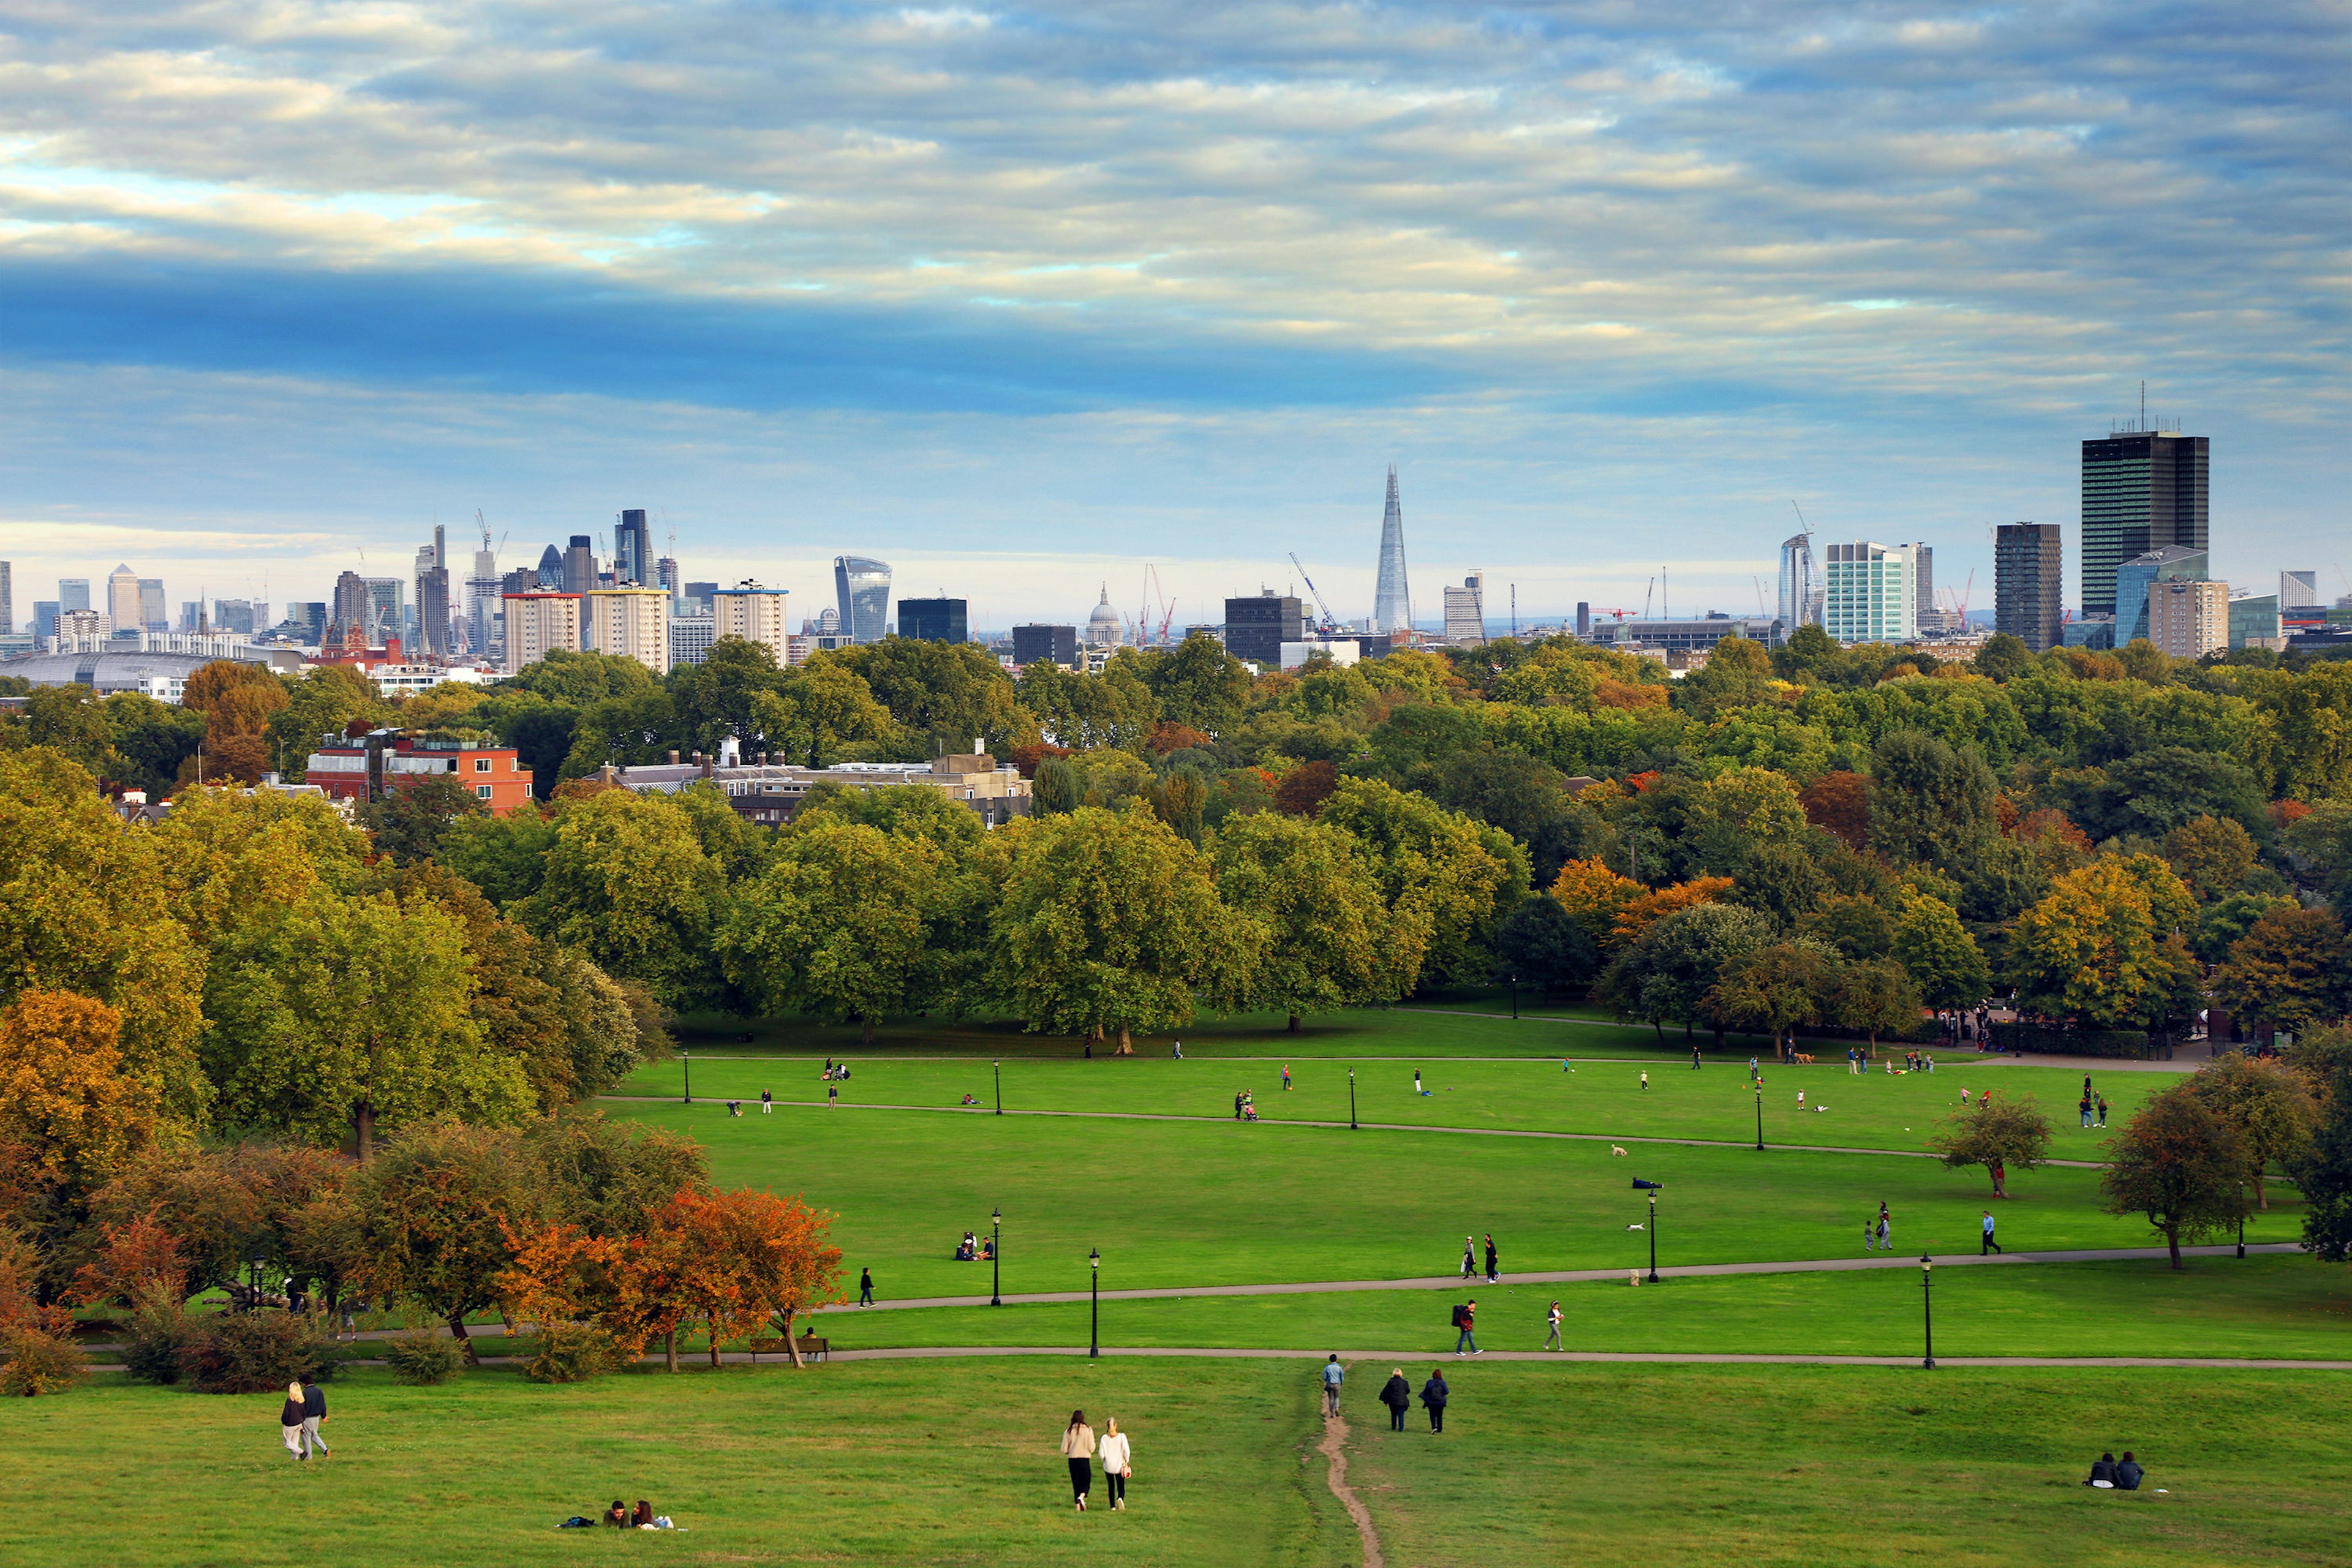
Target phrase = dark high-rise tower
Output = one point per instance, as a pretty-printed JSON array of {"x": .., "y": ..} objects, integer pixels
[
  {"x": 2026, "y": 581},
  {"x": 1393, "y": 598},
  {"x": 2142, "y": 490},
  {"x": 633, "y": 551}
]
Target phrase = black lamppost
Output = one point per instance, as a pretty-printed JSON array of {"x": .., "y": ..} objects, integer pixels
[
  {"x": 996, "y": 1258},
  {"x": 1927, "y": 1311},
  {"x": 1351, "y": 1099},
  {"x": 1094, "y": 1331},
  {"x": 1759, "y": 1116},
  {"x": 1515, "y": 998},
  {"x": 1000, "y": 1086},
  {"x": 1654, "y": 1237},
  {"x": 688, "y": 1057},
  {"x": 2242, "y": 1219}
]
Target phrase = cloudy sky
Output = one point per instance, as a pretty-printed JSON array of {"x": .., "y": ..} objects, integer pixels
[{"x": 1025, "y": 298}]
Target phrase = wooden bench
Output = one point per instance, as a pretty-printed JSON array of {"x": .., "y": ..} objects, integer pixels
[{"x": 811, "y": 1348}]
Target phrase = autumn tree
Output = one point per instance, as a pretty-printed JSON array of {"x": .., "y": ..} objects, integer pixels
[
  {"x": 2099, "y": 949},
  {"x": 2179, "y": 1163},
  {"x": 1936, "y": 951},
  {"x": 1593, "y": 895},
  {"x": 63, "y": 1093},
  {"x": 1331, "y": 943},
  {"x": 751, "y": 1259},
  {"x": 1640, "y": 913},
  {"x": 2270, "y": 1107},
  {"x": 1436, "y": 867},
  {"x": 2000, "y": 1134},
  {"x": 1304, "y": 788},
  {"x": 2290, "y": 970},
  {"x": 412, "y": 822},
  {"x": 2212, "y": 854},
  {"x": 238, "y": 700},
  {"x": 437, "y": 1205},
  {"x": 1839, "y": 803}
]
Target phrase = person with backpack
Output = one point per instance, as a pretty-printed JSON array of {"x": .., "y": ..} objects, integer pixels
[
  {"x": 1397, "y": 1394},
  {"x": 1434, "y": 1396},
  {"x": 1465, "y": 1318}
]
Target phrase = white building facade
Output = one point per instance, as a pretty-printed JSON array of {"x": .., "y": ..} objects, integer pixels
[{"x": 1869, "y": 592}]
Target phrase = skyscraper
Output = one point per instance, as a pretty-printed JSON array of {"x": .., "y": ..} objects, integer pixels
[
  {"x": 1923, "y": 581},
  {"x": 352, "y": 604},
  {"x": 2136, "y": 577},
  {"x": 73, "y": 594},
  {"x": 1393, "y": 598},
  {"x": 863, "y": 586},
  {"x": 2300, "y": 591},
  {"x": 580, "y": 564},
  {"x": 433, "y": 594},
  {"x": 1466, "y": 611},
  {"x": 550, "y": 569},
  {"x": 1800, "y": 584},
  {"x": 8, "y": 600},
  {"x": 387, "y": 609},
  {"x": 752, "y": 614},
  {"x": 122, "y": 599},
  {"x": 1869, "y": 592},
  {"x": 933, "y": 620},
  {"x": 1257, "y": 625},
  {"x": 482, "y": 594},
  {"x": 2142, "y": 490},
  {"x": 154, "y": 616},
  {"x": 2028, "y": 583},
  {"x": 2188, "y": 617},
  {"x": 632, "y": 550}
]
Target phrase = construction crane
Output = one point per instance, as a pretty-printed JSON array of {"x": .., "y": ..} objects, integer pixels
[
  {"x": 1330, "y": 622},
  {"x": 1647, "y": 594},
  {"x": 1759, "y": 594},
  {"x": 1958, "y": 597}
]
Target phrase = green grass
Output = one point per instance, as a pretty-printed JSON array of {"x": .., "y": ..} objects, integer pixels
[
  {"x": 1217, "y": 1203},
  {"x": 1597, "y": 1097},
  {"x": 2262, "y": 1308}
]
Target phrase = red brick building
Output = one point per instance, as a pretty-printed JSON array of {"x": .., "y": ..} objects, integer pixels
[{"x": 366, "y": 766}]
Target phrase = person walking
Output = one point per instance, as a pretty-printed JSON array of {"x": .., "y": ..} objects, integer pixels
[
  {"x": 1869, "y": 1233},
  {"x": 1466, "y": 1321},
  {"x": 1991, "y": 1246},
  {"x": 1883, "y": 1223},
  {"x": 1237, "y": 1105},
  {"x": 1553, "y": 1342},
  {"x": 1118, "y": 1463},
  {"x": 866, "y": 1287},
  {"x": 1645, "y": 1077},
  {"x": 290, "y": 1417},
  {"x": 2083, "y": 1105},
  {"x": 832, "y": 1097},
  {"x": 1334, "y": 1374},
  {"x": 1494, "y": 1266},
  {"x": 1434, "y": 1396},
  {"x": 2100, "y": 1102},
  {"x": 1285, "y": 1078},
  {"x": 767, "y": 1102},
  {"x": 1397, "y": 1394},
  {"x": 314, "y": 1411},
  {"x": 1694, "y": 1059},
  {"x": 1078, "y": 1447},
  {"x": 1469, "y": 1258}
]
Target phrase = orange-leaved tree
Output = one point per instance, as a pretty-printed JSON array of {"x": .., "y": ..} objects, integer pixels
[
  {"x": 1639, "y": 914},
  {"x": 63, "y": 1094},
  {"x": 1592, "y": 894},
  {"x": 750, "y": 1258}
]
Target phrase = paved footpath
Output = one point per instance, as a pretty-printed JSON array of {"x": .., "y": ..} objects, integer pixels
[
  {"x": 1577, "y": 1276},
  {"x": 1367, "y": 1126}
]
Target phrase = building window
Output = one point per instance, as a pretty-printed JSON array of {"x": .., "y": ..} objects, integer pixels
[
  {"x": 482, "y": 791},
  {"x": 481, "y": 764}
]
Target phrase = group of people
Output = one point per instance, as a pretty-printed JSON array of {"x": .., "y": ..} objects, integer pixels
[
  {"x": 1245, "y": 1107},
  {"x": 620, "y": 1516},
  {"x": 973, "y": 1249},
  {"x": 303, "y": 1414},
  {"x": 2111, "y": 1474},
  {"x": 1875, "y": 1232},
  {"x": 1470, "y": 1259},
  {"x": 1954, "y": 1025},
  {"x": 2092, "y": 1103},
  {"x": 767, "y": 1104},
  {"x": 1082, "y": 1448}
]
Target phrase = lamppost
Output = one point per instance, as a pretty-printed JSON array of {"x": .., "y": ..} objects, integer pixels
[
  {"x": 1351, "y": 1099},
  {"x": 688, "y": 1057},
  {"x": 1515, "y": 998},
  {"x": 1759, "y": 1116},
  {"x": 1094, "y": 1331},
  {"x": 996, "y": 1258},
  {"x": 2242, "y": 1219},
  {"x": 1000, "y": 1086},
  {"x": 1927, "y": 1311},
  {"x": 1654, "y": 1237}
]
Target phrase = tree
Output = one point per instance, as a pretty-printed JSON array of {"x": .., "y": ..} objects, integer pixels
[
  {"x": 2004, "y": 657},
  {"x": 2321, "y": 840},
  {"x": 2324, "y": 1172},
  {"x": 1927, "y": 801},
  {"x": 1876, "y": 996},
  {"x": 751, "y": 1259},
  {"x": 1058, "y": 789},
  {"x": 410, "y": 823},
  {"x": 2269, "y": 1106},
  {"x": 1671, "y": 969},
  {"x": 238, "y": 700},
  {"x": 1808, "y": 649},
  {"x": 1942, "y": 959},
  {"x": 822, "y": 707},
  {"x": 1839, "y": 803},
  {"x": 2179, "y": 1165},
  {"x": 1180, "y": 800},
  {"x": 2093, "y": 949},
  {"x": 1737, "y": 674},
  {"x": 1107, "y": 921},
  {"x": 326, "y": 701},
  {"x": 1526, "y": 799},
  {"x": 950, "y": 693},
  {"x": 1197, "y": 683},
  {"x": 2290, "y": 970},
  {"x": 63, "y": 1095},
  {"x": 1593, "y": 895},
  {"x": 837, "y": 925},
  {"x": 1331, "y": 943},
  {"x": 2154, "y": 790},
  {"x": 627, "y": 884},
  {"x": 1436, "y": 867},
  {"x": 1304, "y": 788},
  {"x": 1539, "y": 944},
  {"x": 1775, "y": 989},
  {"x": 2229, "y": 917},
  {"x": 2212, "y": 854},
  {"x": 2001, "y": 1136},
  {"x": 438, "y": 1209},
  {"x": 1640, "y": 914},
  {"x": 1855, "y": 925}
]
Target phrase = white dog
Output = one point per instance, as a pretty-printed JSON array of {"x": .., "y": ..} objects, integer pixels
[{"x": 1614, "y": 1150}]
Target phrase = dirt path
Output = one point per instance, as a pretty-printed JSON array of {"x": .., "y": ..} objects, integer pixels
[{"x": 1334, "y": 1449}]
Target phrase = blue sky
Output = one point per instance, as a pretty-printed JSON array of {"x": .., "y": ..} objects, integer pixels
[{"x": 1024, "y": 298}]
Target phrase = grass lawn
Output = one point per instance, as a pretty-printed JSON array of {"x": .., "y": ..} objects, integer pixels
[
  {"x": 1219, "y": 1203},
  {"x": 953, "y": 1462},
  {"x": 2262, "y": 1308},
  {"x": 1601, "y": 1097}
]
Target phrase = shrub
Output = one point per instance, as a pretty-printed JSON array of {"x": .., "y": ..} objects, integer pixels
[
  {"x": 39, "y": 1362},
  {"x": 158, "y": 1335},
  {"x": 570, "y": 1353},
  {"x": 2132, "y": 1044},
  {"x": 247, "y": 1352},
  {"x": 422, "y": 1356}
]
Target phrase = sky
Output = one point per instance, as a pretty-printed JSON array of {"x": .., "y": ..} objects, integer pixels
[{"x": 1027, "y": 298}]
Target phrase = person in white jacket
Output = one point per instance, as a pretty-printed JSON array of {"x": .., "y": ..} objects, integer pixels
[{"x": 1117, "y": 1465}]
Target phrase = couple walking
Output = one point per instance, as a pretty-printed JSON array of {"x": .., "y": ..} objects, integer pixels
[
  {"x": 1397, "y": 1394},
  {"x": 1470, "y": 1259},
  {"x": 298, "y": 1418},
  {"x": 1081, "y": 1448}
]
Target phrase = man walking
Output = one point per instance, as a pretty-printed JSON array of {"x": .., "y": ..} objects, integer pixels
[
  {"x": 1554, "y": 1342},
  {"x": 1694, "y": 1059},
  {"x": 1991, "y": 1246},
  {"x": 1285, "y": 1076},
  {"x": 314, "y": 1412},
  {"x": 866, "y": 1287},
  {"x": 1334, "y": 1374},
  {"x": 2083, "y": 1105},
  {"x": 1465, "y": 1319},
  {"x": 1494, "y": 1267}
]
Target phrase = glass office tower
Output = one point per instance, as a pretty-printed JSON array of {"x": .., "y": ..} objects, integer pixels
[
  {"x": 863, "y": 586},
  {"x": 2142, "y": 490}
]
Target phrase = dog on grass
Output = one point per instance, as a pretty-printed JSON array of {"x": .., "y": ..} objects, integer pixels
[{"x": 1614, "y": 1150}]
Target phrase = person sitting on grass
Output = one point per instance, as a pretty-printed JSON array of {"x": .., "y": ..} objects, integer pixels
[
  {"x": 2128, "y": 1473},
  {"x": 2103, "y": 1473}
]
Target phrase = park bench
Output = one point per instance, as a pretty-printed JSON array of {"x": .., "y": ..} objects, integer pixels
[{"x": 811, "y": 1348}]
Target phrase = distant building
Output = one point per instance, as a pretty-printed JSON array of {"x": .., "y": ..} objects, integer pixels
[
  {"x": 690, "y": 636},
  {"x": 862, "y": 586},
  {"x": 387, "y": 612},
  {"x": 1037, "y": 643},
  {"x": 2189, "y": 618},
  {"x": 44, "y": 620},
  {"x": 1257, "y": 625},
  {"x": 1688, "y": 637},
  {"x": 2093, "y": 633},
  {"x": 2142, "y": 490},
  {"x": 2136, "y": 577},
  {"x": 149, "y": 673},
  {"x": 407, "y": 679},
  {"x": 309, "y": 616},
  {"x": 2028, "y": 578},
  {"x": 370, "y": 767},
  {"x": 1800, "y": 585},
  {"x": 770, "y": 791},
  {"x": 122, "y": 598},
  {"x": 633, "y": 551},
  {"x": 233, "y": 616},
  {"x": 1466, "y": 611},
  {"x": 1869, "y": 592},
  {"x": 154, "y": 616},
  {"x": 550, "y": 569},
  {"x": 1340, "y": 651},
  {"x": 2255, "y": 623},
  {"x": 539, "y": 624},
  {"x": 2299, "y": 591},
  {"x": 7, "y": 599},
  {"x": 1392, "y": 597},
  {"x": 933, "y": 620},
  {"x": 630, "y": 622},
  {"x": 1105, "y": 628},
  {"x": 700, "y": 594},
  {"x": 752, "y": 614},
  {"x": 73, "y": 594},
  {"x": 666, "y": 569}
]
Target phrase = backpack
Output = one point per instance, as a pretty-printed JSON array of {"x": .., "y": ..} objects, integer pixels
[{"x": 1461, "y": 1315}]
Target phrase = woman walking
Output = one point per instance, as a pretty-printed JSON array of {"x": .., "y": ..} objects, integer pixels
[
  {"x": 1117, "y": 1464},
  {"x": 1553, "y": 1342},
  {"x": 1078, "y": 1447},
  {"x": 1397, "y": 1394},
  {"x": 1493, "y": 1268},
  {"x": 290, "y": 1420}
]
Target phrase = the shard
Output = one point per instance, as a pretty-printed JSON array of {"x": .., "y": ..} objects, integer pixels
[{"x": 1393, "y": 600}]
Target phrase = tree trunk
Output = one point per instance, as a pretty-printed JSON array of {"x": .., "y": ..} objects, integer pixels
[
  {"x": 715, "y": 1360},
  {"x": 2260, "y": 1201},
  {"x": 669, "y": 1348},
  {"x": 1294, "y": 1024},
  {"x": 1125, "y": 1044},
  {"x": 1661, "y": 1028},
  {"x": 2172, "y": 1240},
  {"x": 791, "y": 1342},
  {"x": 457, "y": 1327},
  {"x": 866, "y": 1030},
  {"x": 363, "y": 1121}
]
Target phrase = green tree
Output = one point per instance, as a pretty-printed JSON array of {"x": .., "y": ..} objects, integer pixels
[
  {"x": 322, "y": 701},
  {"x": 1808, "y": 650},
  {"x": 824, "y": 707},
  {"x": 2154, "y": 790},
  {"x": 1927, "y": 801},
  {"x": 627, "y": 884},
  {"x": 1526, "y": 799},
  {"x": 2000, "y": 1135},
  {"x": 1775, "y": 989},
  {"x": 2290, "y": 970},
  {"x": 2212, "y": 854},
  {"x": 1107, "y": 922},
  {"x": 1197, "y": 683},
  {"x": 1855, "y": 925},
  {"x": 927, "y": 815},
  {"x": 719, "y": 698},
  {"x": 2270, "y": 1106},
  {"x": 1180, "y": 800},
  {"x": 2094, "y": 950},
  {"x": 1670, "y": 972},
  {"x": 2179, "y": 1165},
  {"x": 437, "y": 1210},
  {"x": 1537, "y": 945},
  {"x": 837, "y": 925},
  {"x": 73, "y": 723},
  {"x": 2323, "y": 1170},
  {"x": 1737, "y": 674},
  {"x": 1329, "y": 940},
  {"x": 153, "y": 738},
  {"x": 1942, "y": 959},
  {"x": 578, "y": 680},
  {"x": 1057, "y": 790},
  {"x": 505, "y": 857},
  {"x": 2321, "y": 840},
  {"x": 2222, "y": 923},
  {"x": 1437, "y": 870},
  {"x": 950, "y": 693},
  {"x": 412, "y": 822},
  {"x": 2004, "y": 657}
]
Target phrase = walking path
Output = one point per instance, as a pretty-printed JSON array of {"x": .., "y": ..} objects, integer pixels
[
  {"x": 1569, "y": 1277},
  {"x": 1366, "y": 1126},
  {"x": 1334, "y": 1449},
  {"x": 2189, "y": 1055}
]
